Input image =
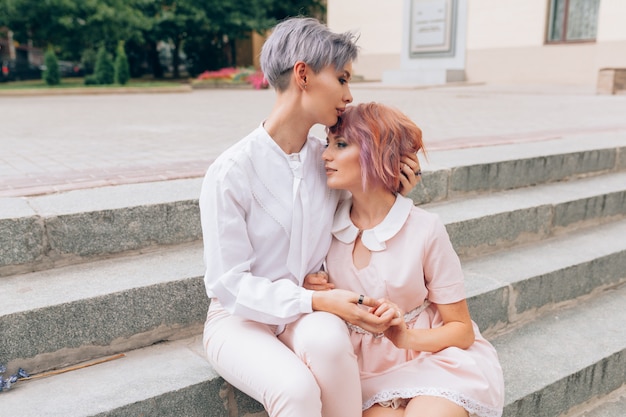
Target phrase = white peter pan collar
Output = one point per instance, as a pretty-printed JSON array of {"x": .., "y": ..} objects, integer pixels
[{"x": 373, "y": 239}]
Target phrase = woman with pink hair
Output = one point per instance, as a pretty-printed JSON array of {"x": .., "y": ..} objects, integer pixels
[{"x": 432, "y": 361}]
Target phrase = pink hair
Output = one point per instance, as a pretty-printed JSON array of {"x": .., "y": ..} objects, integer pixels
[{"x": 384, "y": 135}]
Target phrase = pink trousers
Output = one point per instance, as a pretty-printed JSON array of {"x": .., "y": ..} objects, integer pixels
[{"x": 309, "y": 370}]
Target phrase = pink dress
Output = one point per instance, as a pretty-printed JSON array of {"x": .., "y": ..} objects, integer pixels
[{"x": 413, "y": 264}]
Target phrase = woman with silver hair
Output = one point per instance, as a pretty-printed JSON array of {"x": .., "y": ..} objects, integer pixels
[{"x": 266, "y": 219}]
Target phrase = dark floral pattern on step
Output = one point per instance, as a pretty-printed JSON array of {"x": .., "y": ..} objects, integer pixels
[{"x": 6, "y": 383}]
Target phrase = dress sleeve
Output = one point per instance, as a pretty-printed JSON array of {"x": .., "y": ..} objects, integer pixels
[
  {"x": 442, "y": 267},
  {"x": 228, "y": 256}
]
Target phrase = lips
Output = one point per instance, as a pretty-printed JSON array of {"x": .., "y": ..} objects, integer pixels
[{"x": 329, "y": 170}]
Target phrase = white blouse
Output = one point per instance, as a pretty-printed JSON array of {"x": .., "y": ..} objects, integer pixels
[{"x": 266, "y": 222}]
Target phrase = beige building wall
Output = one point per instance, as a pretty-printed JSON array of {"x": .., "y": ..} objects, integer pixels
[
  {"x": 611, "y": 39},
  {"x": 505, "y": 41},
  {"x": 379, "y": 25}
]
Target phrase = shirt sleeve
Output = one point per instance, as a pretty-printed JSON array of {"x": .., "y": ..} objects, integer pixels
[
  {"x": 229, "y": 255},
  {"x": 442, "y": 267}
]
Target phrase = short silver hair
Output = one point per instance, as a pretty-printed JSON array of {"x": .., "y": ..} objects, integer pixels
[{"x": 304, "y": 39}]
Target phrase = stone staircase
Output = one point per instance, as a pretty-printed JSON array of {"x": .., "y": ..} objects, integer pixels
[{"x": 91, "y": 274}]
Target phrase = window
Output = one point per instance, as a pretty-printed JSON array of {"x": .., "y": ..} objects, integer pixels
[{"x": 573, "y": 20}]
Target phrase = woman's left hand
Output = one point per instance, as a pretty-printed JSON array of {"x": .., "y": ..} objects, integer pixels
[
  {"x": 399, "y": 335},
  {"x": 411, "y": 173},
  {"x": 397, "y": 332}
]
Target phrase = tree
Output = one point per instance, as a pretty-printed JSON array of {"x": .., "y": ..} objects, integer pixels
[
  {"x": 75, "y": 25},
  {"x": 122, "y": 70},
  {"x": 207, "y": 31},
  {"x": 88, "y": 60},
  {"x": 215, "y": 46},
  {"x": 104, "y": 72},
  {"x": 176, "y": 21},
  {"x": 51, "y": 75},
  {"x": 229, "y": 22},
  {"x": 39, "y": 22},
  {"x": 280, "y": 10}
]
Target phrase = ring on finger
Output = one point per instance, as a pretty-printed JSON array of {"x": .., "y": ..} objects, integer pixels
[{"x": 361, "y": 298}]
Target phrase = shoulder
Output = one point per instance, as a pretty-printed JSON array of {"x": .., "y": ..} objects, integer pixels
[
  {"x": 418, "y": 213},
  {"x": 230, "y": 171},
  {"x": 316, "y": 144},
  {"x": 317, "y": 141},
  {"x": 238, "y": 156},
  {"x": 426, "y": 222}
]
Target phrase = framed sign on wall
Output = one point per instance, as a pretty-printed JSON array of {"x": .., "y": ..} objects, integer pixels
[{"x": 432, "y": 28}]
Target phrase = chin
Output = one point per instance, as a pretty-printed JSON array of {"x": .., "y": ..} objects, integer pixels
[
  {"x": 330, "y": 185},
  {"x": 332, "y": 121}
]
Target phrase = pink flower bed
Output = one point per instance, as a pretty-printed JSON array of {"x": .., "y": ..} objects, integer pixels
[{"x": 236, "y": 75}]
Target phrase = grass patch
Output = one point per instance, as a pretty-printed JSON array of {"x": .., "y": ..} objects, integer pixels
[{"x": 80, "y": 83}]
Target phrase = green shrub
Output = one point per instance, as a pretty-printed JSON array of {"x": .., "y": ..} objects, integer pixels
[
  {"x": 122, "y": 69},
  {"x": 104, "y": 71},
  {"x": 52, "y": 75},
  {"x": 88, "y": 59},
  {"x": 91, "y": 79}
]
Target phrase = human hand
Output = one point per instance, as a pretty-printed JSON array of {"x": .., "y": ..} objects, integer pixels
[
  {"x": 411, "y": 173},
  {"x": 397, "y": 331},
  {"x": 317, "y": 281},
  {"x": 346, "y": 305}
]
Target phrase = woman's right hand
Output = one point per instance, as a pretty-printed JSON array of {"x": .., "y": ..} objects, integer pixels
[
  {"x": 317, "y": 281},
  {"x": 345, "y": 304}
]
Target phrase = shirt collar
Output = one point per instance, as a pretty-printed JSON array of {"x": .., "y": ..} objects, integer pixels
[{"x": 373, "y": 239}]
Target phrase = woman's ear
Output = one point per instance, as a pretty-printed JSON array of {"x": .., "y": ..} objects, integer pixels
[{"x": 301, "y": 70}]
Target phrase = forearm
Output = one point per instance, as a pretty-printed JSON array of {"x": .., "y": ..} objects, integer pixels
[
  {"x": 345, "y": 304},
  {"x": 259, "y": 299},
  {"x": 339, "y": 302},
  {"x": 453, "y": 334}
]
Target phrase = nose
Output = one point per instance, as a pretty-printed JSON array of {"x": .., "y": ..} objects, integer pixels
[
  {"x": 326, "y": 155},
  {"x": 348, "y": 97}
]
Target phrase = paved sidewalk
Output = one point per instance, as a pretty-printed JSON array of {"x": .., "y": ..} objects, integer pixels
[{"x": 58, "y": 143}]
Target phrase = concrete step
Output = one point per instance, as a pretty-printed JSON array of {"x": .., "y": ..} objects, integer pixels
[
  {"x": 513, "y": 286},
  {"x": 167, "y": 379},
  {"x": 566, "y": 357},
  {"x": 611, "y": 405},
  {"x": 119, "y": 269},
  {"x": 563, "y": 358},
  {"x": 53, "y": 230},
  {"x": 54, "y": 318},
  {"x": 58, "y": 317},
  {"x": 465, "y": 171},
  {"x": 490, "y": 222}
]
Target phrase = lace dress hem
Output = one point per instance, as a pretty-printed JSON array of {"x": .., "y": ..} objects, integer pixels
[{"x": 395, "y": 399}]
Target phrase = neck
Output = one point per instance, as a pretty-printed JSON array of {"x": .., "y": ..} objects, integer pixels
[
  {"x": 370, "y": 208},
  {"x": 285, "y": 123}
]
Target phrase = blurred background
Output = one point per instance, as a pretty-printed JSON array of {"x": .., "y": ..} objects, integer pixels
[{"x": 505, "y": 41}]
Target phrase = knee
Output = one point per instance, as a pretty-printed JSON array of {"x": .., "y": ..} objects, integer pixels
[
  {"x": 325, "y": 335},
  {"x": 293, "y": 394}
]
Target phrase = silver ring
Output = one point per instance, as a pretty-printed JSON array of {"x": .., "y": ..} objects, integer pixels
[
  {"x": 361, "y": 297},
  {"x": 418, "y": 172}
]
